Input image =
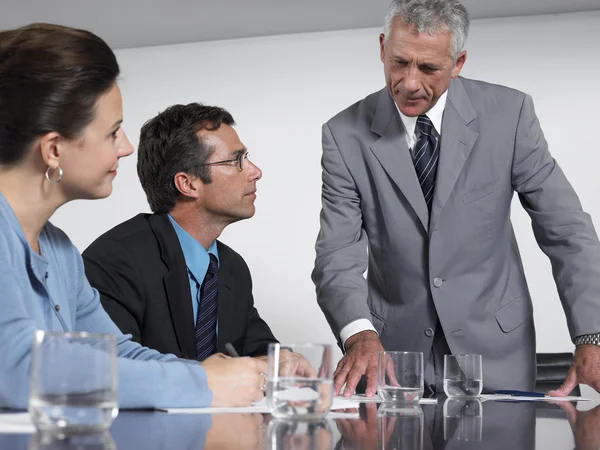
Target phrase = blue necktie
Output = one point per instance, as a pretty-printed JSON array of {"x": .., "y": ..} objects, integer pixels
[
  {"x": 206, "y": 320},
  {"x": 426, "y": 158}
]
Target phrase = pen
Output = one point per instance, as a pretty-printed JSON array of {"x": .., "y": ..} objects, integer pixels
[
  {"x": 515, "y": 393},
  {"x": 230, "y": 350}
]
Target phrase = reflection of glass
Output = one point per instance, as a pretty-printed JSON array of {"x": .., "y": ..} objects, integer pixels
[
  {"x": 73, "y": 384},
  {"x": 400, "y": 427},
  {"x": 50, "y": 441},
  {"x": 462, "y": 375},
  {"x": 463, "y": 419},
  {"x": 299, "y": 380},
  {"x": 299, "y": 435},
  {"x": 400, "y": 376}
]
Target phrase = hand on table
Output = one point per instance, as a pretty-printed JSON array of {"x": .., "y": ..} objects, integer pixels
[
  {"x": 584, "y": 370},
  {"x": 360, "y": 359}
]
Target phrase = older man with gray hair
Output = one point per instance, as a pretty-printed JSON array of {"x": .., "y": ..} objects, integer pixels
[{"x": 422, "y": 174}]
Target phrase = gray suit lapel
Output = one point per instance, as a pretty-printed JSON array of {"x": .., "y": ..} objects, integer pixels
[
  {"x": 457, "y": 142},
  {"x": 393, "y": 154}
]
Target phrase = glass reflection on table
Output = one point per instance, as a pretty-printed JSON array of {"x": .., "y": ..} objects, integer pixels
[
  {"x": 298, "y": 435},
  {"x": 52, "y": 441},
  {"x": 400, "y": 427},
  {"x": 463, "y": 419}
]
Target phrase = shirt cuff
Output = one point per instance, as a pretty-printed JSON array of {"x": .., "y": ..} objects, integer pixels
[{"x": 354, "y": 328}]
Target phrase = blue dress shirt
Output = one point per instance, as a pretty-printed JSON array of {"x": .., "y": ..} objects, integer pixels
[
  {"x": 50, "y": 292},
  {"x": 196, "y": 260}
]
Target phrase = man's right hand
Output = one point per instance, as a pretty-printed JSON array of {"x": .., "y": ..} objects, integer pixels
[
  {"x": 234, "y": 381},
  {"x": 360, "y": 359}
]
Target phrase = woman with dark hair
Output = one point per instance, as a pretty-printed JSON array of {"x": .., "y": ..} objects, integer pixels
[{"x": 61, "y": 140}]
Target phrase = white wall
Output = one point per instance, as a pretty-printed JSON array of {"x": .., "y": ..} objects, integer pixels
[{"x": 281, "y": 89}]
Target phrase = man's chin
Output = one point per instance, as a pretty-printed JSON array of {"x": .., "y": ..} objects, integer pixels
[{"x": 412, "y": 108}]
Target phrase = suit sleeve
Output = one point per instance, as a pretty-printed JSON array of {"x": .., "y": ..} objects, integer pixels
[
  {"x": 341, "y": 246},
  {"x": 563, "y": 231},
  {"x": 110, "y": 269}
]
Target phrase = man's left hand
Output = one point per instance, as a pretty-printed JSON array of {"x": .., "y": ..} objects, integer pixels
[{"x": 585, "y": 370}]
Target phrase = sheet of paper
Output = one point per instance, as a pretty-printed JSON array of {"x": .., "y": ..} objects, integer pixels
[
  {"x": 19, "y": 423},
  {"x": 361, "y": 398},
  {"x": 262, "y": 407},
  {"x": 512, "y": 398}
]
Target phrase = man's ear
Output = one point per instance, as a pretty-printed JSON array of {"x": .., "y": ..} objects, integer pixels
[
  {"x": 187, "y": 185},
  {"x": 460, "y": 62}
]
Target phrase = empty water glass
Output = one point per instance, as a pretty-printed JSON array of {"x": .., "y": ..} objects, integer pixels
[
  {"x": 300, "y": 380},
  {"x": 400, "y": 376},
  {"x": 463, "y": 375},
  {"x": 73, "y": 384}
]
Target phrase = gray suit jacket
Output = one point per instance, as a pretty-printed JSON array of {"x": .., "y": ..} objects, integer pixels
[{"x": 462, "y": 264}]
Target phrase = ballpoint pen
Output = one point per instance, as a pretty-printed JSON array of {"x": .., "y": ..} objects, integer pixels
[
  {"x": 516, "y": 393},
  {"x": 230, "y": 349}
]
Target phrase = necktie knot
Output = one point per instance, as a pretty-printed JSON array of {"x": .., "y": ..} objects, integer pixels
[
  {"x": 213, "y": 265},
  {"x": 424, "y": 124}
]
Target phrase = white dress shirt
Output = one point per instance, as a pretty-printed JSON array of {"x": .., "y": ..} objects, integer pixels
[{"x": 435, "y": 114}]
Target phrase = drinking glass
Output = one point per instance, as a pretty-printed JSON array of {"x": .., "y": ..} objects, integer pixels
[
  {"x": 400, "y": 376},
  {"x": 73, "y": 381},
  {"x": 463, "y": 375},
  {"x": 300, "y": 380}
]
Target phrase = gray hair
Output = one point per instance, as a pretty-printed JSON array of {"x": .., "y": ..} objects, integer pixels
[{"x": 432, "y": 16}]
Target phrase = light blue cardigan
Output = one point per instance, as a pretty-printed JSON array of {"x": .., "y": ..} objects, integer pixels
[{"x": 51, "y": 292}]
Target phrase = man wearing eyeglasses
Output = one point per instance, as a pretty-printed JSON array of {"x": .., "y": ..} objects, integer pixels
[{"x": 164, "y": 277}]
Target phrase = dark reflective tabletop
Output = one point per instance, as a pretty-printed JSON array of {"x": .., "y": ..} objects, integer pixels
[{"x": 451, "y": 424}]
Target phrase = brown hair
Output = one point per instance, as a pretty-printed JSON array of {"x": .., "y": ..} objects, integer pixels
[{"x": 50, "y": 79}]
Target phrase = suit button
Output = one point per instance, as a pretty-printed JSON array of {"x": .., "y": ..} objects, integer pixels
[
  {"x": 428, "y": 331},
  {"x": 438, "y": 282},
  {"x": 57, "y": 308}
]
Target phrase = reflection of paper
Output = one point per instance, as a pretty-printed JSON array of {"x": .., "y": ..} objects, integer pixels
[
  {"x": 514, "y": 398},
  {"x": 361, "y": 398},
  {"x": 16, "y": 423},
  {"x": 256, "y": 407}
]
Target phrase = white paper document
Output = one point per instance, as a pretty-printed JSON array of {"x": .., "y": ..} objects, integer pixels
[
  {"x": 294, "y": 394},
  {"x": 19, "y": 423},
  {"x": 361, "y": 398},
  {"x": 514, "y": 398}
]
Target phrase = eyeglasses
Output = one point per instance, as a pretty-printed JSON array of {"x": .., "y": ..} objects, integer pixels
[{"x": 239, "y": 162}]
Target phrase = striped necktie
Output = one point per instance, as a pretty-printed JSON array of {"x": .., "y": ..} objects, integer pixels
[
  {"x": 425, "y": 158},
  {"x": 206, "y": 320}
]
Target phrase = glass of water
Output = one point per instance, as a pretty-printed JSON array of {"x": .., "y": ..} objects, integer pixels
[
  {"x": 300, "y": 380},
  {"x": 73, "y": 382},
  {"x": 463, "y": 375},
  {"x": 400, "y": 376}
]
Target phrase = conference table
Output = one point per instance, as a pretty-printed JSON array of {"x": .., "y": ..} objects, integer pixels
[{"x": 449, "y": 424}]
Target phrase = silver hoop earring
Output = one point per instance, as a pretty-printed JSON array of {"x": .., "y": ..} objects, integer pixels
[{"x": 60, "y": 175}]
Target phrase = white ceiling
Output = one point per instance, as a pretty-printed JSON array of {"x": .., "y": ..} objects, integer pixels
[{"x": 140, "y": 23}]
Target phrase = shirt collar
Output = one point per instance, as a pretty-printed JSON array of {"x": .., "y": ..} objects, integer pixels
[
  {"x": 435, "y": 114},
  {"x": 196, "y": 256}
]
